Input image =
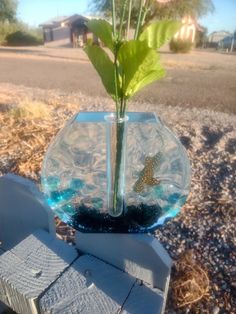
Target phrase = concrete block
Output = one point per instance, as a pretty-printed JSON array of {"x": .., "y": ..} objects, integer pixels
[
  {"x": 22, "y": 210},
  {"x": 28, "y": 269}
]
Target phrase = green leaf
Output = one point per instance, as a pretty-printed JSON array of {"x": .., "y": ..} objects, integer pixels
[
  {"x": 158, "y": 33},
  {"x": 103, "y": 65},
  {"x": 103, "y": 30},
  {"x": 139, "y": 66}
]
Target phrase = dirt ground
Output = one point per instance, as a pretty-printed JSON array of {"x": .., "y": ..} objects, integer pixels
[{"x": 200, "y": 79}]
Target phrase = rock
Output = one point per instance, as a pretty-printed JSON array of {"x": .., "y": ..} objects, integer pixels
[{"x": 216, "y": 310}]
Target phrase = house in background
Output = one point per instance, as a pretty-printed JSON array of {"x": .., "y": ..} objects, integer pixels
[
  {"x": 216, "y": 37},
  {"x": 228, "y": 43},
  {"x": 72, "y": 31},
  {"x": 188, "y": 29},
  {"x": 66, "y": 31}
]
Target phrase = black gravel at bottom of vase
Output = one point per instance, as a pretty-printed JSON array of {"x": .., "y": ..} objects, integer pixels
[{"x": 136, "y": 219}]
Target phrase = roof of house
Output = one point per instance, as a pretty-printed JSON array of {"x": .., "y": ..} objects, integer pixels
[
  {"x": 220, "y": 33},
  {"x": 66, "y": 20},
  {"x": 54, "y": 21},
  {"x": 57, "y": 21},
  {"x": 73, "y": 18},
  {"x": 218, "y": 36}
]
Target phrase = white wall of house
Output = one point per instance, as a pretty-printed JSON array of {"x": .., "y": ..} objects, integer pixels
[
  {"x": 61, "y": 37},
  {"x": 187, "y": 31},
  {"x": 61, "y": 33}
]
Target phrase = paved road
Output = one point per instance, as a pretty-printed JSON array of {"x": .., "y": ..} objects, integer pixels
[{"x": 212, "y": 87}]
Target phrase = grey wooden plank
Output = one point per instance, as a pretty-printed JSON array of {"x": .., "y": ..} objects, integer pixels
[
  {"x": 140, "y": 255},
  {"x": 88, "y": 286},
  {"x": 3, "y": 298},
  {"x": 42, "y": 240},
  {"x": 30, "y": 267},
  {"x": 144, "y": 299},
  {"x": 4, "y": 309},
  {"x": 22, "y": 210}
]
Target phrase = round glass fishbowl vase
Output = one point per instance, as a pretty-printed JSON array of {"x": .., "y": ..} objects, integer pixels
[{"x": 129, "y": 175}]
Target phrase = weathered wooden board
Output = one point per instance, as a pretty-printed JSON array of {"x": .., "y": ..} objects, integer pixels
[
  {"x": 88, "y": 286},
  {"x": 22, "y": 210},
  {"x": 140, "y": 255},
  {"x": 30, "y": 267},
  {"x": 3, "y": 297},
  {"x": 45, "y": 275},
  {"x": 144, "y": 299}
]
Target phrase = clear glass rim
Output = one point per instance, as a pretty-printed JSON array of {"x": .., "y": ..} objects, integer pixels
[{"x": 112, "y": 118}]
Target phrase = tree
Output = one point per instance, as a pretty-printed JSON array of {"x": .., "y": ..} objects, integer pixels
[
  {"x": 180, "y": 8},
  {"x": 8, "y": 10},
  {"x": 158, "y": 10}
]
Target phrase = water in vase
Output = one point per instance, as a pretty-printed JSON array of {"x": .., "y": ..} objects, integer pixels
[{"x": 154, "y": 176}]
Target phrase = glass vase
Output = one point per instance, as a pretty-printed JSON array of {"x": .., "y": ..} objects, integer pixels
[
  {"x": 115, "y": 160},
  {"x": 101, "y": 174}
]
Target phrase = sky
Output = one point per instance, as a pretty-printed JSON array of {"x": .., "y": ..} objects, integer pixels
[
  {"x": 224, "y": 17},
  {"x": 34, "y": 12}
]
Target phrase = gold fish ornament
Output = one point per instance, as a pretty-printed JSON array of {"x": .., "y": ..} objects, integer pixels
[{"x": 146, "y": 176}]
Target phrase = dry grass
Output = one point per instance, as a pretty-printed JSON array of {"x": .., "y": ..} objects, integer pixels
[
  {"x": 28, "y": 110},
  {"x": 190, "y": 282},
  {"x": 26, "y": 130}
]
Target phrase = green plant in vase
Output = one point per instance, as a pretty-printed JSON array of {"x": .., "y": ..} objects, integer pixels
[{"x": 125, "y": 66}]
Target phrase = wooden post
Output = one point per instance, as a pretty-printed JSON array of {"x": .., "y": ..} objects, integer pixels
[
  {"x": 129, "y": 273},
  {"x": 140, "y": 255},
  {"x": 28, "y": 269},
  {"x": 22, "y": 210},
  {"x": 92, "y": 286}
]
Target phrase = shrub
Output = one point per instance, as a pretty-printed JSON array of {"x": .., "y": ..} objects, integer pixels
[
  {"x": 23, "y": 34},
  {"x": 180, "y": 46},
  {"x": 7, "y": 28},
  {"x": 23, "y": 38}
]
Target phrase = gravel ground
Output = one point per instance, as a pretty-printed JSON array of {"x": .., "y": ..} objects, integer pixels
[{"x": 206, "y": 224}]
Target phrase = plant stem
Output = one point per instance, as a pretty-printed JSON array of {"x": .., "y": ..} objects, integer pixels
[
  {"x": 117, "y": 202},
  {"x": 116, "y": 78},
  {"x": 117, "y": 198},
  {"x": 122, "y": 18},
  {"x": 146, "y": 8},
  {"x": 145, "y": 11},
  {"x": 124, "y": 108},
  {"x": 114, "y": 18},
  {"x": 116, "y": 75},
  {"x": 128, "y": 20},
  {"x": 137, "y": 30}
]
